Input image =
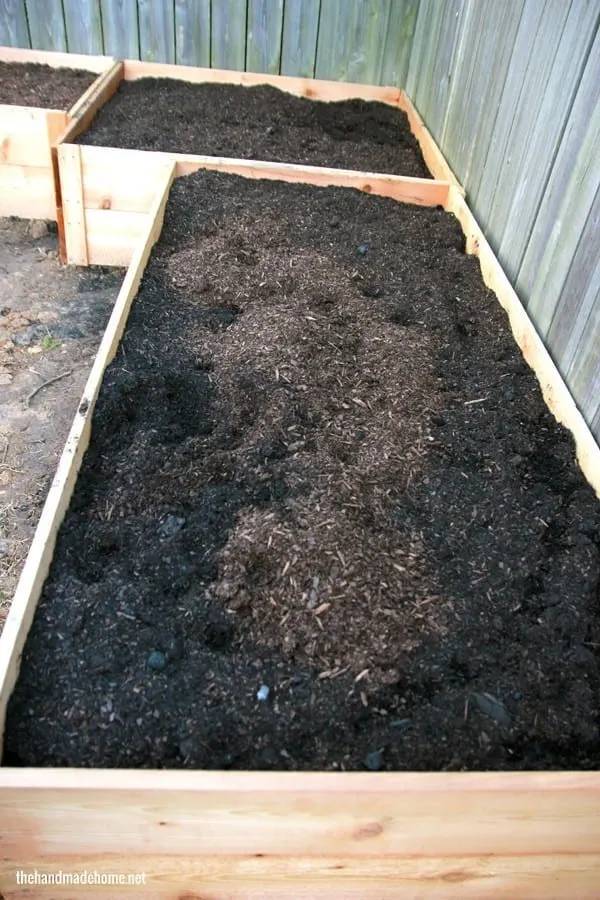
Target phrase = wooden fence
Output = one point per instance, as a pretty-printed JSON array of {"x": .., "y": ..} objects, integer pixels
[
  {"x": 510, "y": 90},
  {"x": 347, "y": 40}
]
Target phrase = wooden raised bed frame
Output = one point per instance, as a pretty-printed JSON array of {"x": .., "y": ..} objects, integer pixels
[
  {"x": 106, "y": 193},
  {"x": 233, "y": 835},
  {"x": 28, "y": 175}
]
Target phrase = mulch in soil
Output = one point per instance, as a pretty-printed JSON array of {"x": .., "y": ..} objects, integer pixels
[
  {"x": 33, "y": 84},
  {"x": 321, "y": 475},
  {"x": 257, "y": 123}
]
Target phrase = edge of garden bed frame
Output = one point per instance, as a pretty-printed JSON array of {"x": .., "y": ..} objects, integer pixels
[
  {"x": 29, "y": 187},
  {"x": 291, "y": 835},
  {"x": 101, "y": 206}
]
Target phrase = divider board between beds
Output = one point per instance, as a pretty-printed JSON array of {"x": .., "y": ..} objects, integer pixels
[
  {"x": 106, "y": 193},
  {"x": 28, "y": 179},
  {"x": 292, "y": 835}
]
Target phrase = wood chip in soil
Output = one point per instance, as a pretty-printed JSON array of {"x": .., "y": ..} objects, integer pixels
[
  {"x": 325, "y": 521},
  {"x": 34, "y": 84},
  {"x": 257, "y": 123}
]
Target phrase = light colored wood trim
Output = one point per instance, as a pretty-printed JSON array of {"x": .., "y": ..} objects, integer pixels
[
  {"x": 556, "y": 394},
  {"x": 314, "y": 89},
  {"x": 27, "y": 192},
  {"x": 87, "y": 106},
  {"x": 24, "y": 134},
  {"x": 98, "y": 93},
  {"x": 56, "y": 60},
  {"x": 112, "y": 235},
  {"x": 433, "y": 156},
  {"x": 39, "y": 558},
  {"x": 73, "y": 212}
]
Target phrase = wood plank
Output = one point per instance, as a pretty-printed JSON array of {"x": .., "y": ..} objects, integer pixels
[
  {"x": 434, "y": 158},
  {"x": 21, "y": 612},
  {"x": 165, "y": 877},
  {"x": 555, "y": 392},
  {"x": 56, "y": 60},
  {"x": 120, "y": 28},
  {"x": 397, "y": 46},
  {"x": 315, "y": 89},
  {"x": 14, "y": 28},
  {"x": 228, "y": 34},
  {"x": 83, "y": 22},
  {"x": 118, "y": 179},
  {"x": 192, "y": 32},
  {"x": 263, "y": 37},
  {"x": 74, "y": 222},
  {"x": 46, "y": 24},
  {"x": 351, "y": 34},
  {"x": 112, "y": 236},
  {"x": 541, "y": 26},
  {"x": 24, "y": 135},
  {"x": 567, "y": 158},
  {"x": 156, "y": 22},
  {"x": 299, "y": 41},
  {"x": 82, "y": 114},
  {"x": 533, "y": 158},
  {"x": 27, "y": 192}
]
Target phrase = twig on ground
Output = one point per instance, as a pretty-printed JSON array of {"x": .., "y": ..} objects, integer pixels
[{"x": 46, "y": 383}]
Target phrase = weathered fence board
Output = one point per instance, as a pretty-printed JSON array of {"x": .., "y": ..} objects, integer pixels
[
  {"x": 351, "y": 36},
  {"x": 263, "y": 37},
  {"x": 14, "y": 28},
  {"x": 228, "y": 30},
  {"x": 46, "y": 24},
  {"x": 192, "y": 32},
  {"x": 157, "y": 31},
  {"x": 510, "y": 93},
  {"x": 83, "y": 22},
  {"x": 120, "y": 28},
  {"x": 299, "y": 41}
]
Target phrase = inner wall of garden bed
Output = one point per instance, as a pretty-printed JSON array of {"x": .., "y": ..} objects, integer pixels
[
  {"x": 34, "y": 112},
  {"x": 319, "y": 818},
  {"x": 351, "y": 126}
]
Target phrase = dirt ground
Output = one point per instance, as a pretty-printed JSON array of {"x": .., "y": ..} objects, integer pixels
[
  {"x": 325, "y": 521},
  {"x": 32, "y": 84},
  {"x": 51, "y": 322},
  {"x": 257, "y": 123}
]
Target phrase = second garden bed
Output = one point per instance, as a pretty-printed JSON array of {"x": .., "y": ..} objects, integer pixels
[{"x": 326, "y": 520}]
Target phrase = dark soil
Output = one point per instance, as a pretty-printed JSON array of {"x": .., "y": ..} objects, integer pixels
[
  {"x": 257, "y": 123},
  {"x": 32, "y": 84},
  {"x": 319, "y": 466}
]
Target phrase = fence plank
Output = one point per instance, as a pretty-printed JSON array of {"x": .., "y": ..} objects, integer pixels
[
  {"x": 567, "y": 201},
  {"x": 395, "y": 55},
  {"x": 192, "y": 32},
  {"x": 228, "y": 28},
  {"x": 299, "y": 42},
  {"x": 120, "y": 27},
  {"x": 14, "y": 30},
  {"x": 46, "y": 24},
  {"x": 263, "y": 38},
  {"x": 83, "y": 22},
  {"x": 157, "y": 31},
  {"x": 351, "y": 34}
]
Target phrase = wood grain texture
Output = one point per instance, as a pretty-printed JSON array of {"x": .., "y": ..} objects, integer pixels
[
  {"x": 263, "y": 36},
  {"x": 192, "y": 32},
  {"x": 351, "y": 35},
  {"x": 120, "y": 28},
  {"x": 46, "y": 24},
  {"x": 228, "y": 34},
  {"x": 83, "y": 21},
  {"x": 396, "y": 48},
  {"x": 299, "y": 40},
  {"x": 157, "y": 30},
  {"x": 14, "y": 28}
]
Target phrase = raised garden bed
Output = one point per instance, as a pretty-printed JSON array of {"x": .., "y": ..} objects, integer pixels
[
  {"x": 40, "y": 94},
  {"x": 277, "y": 834},
  {"x": 351, "y": 128}
]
